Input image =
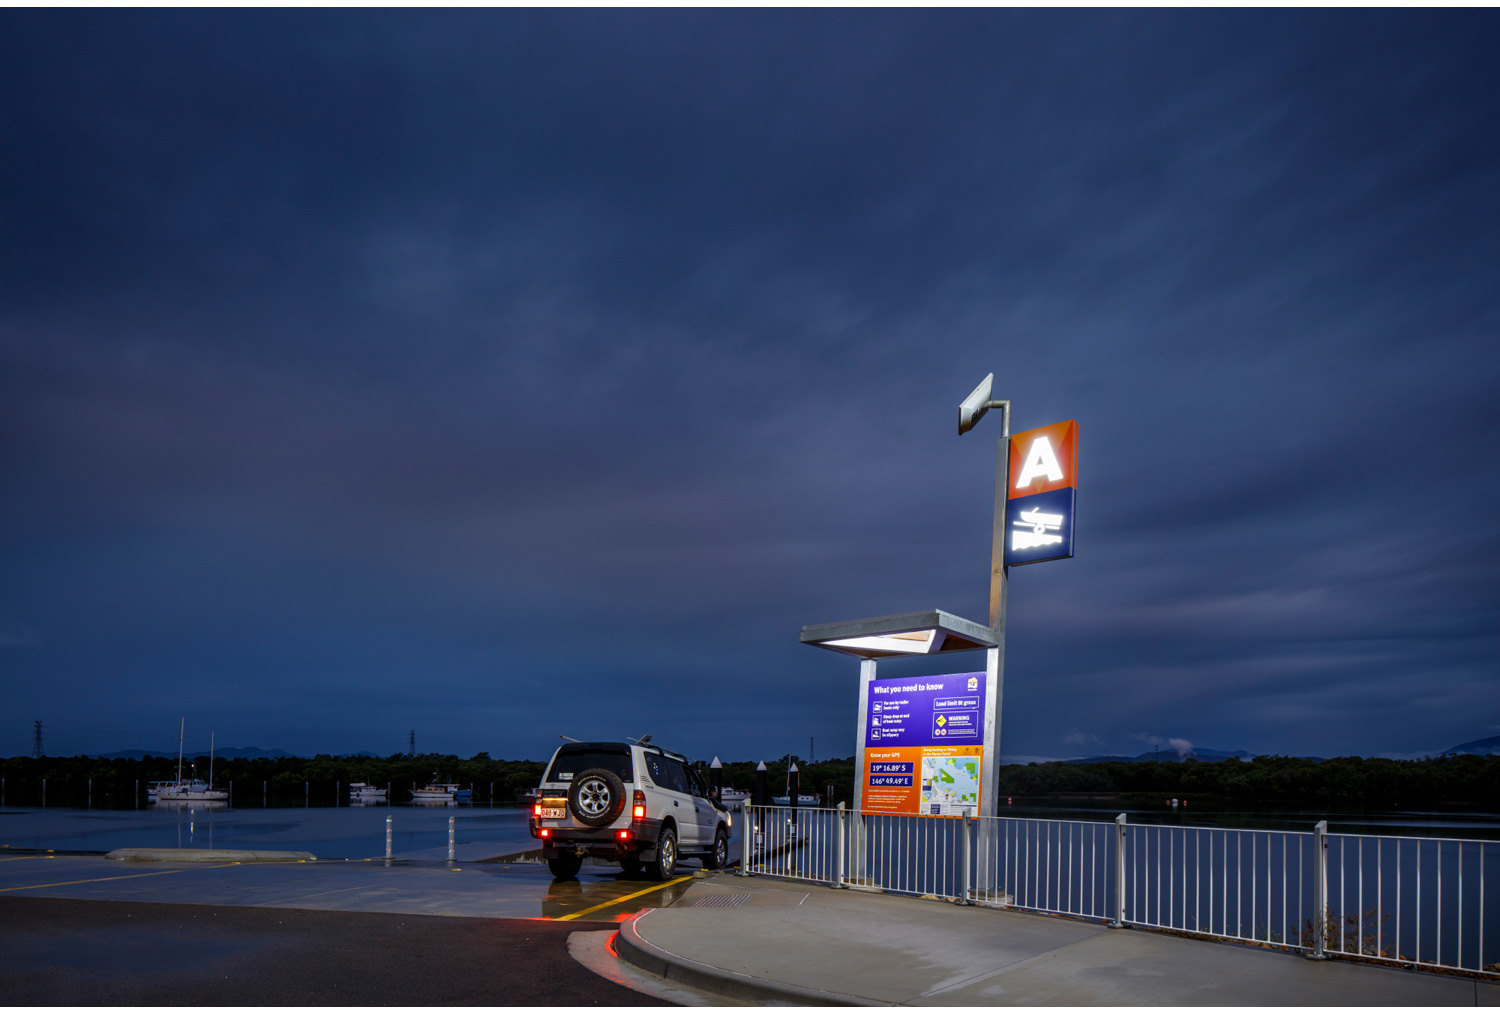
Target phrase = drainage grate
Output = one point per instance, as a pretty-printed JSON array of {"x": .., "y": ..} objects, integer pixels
[{"x": 721, "y": 900}]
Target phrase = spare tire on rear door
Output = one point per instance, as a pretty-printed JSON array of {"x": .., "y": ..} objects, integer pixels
[{"x": 596, "y": 797}]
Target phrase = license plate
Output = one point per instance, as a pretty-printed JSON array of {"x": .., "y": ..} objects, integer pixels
[{"x": 554, "y": 812}]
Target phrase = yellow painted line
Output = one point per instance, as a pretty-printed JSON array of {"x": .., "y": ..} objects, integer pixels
[
  {"x": 626, "y": 898},
  {"x": 117, "y": 877}
]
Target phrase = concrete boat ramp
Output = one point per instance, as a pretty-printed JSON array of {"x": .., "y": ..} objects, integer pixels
[{"x": 716, "y": 938}]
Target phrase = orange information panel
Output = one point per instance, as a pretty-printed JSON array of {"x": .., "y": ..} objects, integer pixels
[{"x": 941, "y": 780}]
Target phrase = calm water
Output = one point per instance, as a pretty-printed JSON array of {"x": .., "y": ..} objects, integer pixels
[{"x": 327, "y": 832}]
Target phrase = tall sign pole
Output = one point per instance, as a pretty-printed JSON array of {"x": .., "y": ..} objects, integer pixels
[{"x": 994, "y": 666}]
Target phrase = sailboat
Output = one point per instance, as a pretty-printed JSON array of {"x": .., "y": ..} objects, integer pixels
[{"x": 190, "y": 789}]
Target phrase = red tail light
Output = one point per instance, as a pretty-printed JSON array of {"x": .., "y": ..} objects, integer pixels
[
  {"x": 639, "y": 810},
  {"x": 624, "y": 833},
  {"x": 545, "y": 832},
  {"x": 537, "y": 810}
]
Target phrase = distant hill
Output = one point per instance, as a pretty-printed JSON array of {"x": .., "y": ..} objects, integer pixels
[
  {"x": 219, "y": 752},
  {"x": 1171, "y": 754},
  {"x": 1489, "y": 745}
]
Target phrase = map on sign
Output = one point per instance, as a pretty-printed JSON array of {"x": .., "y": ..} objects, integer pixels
[{"x": 949, "y": 782}]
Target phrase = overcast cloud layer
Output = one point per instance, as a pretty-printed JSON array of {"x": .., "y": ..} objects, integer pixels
[{"x": 499, "y": 375}]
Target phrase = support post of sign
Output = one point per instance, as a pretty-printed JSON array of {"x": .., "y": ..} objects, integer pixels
[
  {"x": 994, "y": 675},
  {"x": 861, "y": 772}
]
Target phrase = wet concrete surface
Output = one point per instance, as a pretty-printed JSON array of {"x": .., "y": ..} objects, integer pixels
[
  {"x": 512, "y": 891},
  {"x": 57, "y": 951}
]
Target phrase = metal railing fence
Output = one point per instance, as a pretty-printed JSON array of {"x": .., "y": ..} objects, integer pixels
[
  {"x": 1417, "y": 901},
  {"x": 1045, "y": 865},
  {"x": 1414, "y": 900},
  {"x": 1233, "y": 883}
]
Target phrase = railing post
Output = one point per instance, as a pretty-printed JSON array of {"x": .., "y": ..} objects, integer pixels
[
  {"x": 387, "y": 836},
  {"x": 1120, "y": 834},
  {"x": 450, "y": 840},
  {"x": 747, "y": 837},
  {"x": 965, "y": 898},
  {"x": 838, "y": 847},
  {"x": 1320, "y": 888}
]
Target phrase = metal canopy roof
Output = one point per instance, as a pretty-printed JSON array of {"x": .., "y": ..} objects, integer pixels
[{"x": 926, "y": 632}]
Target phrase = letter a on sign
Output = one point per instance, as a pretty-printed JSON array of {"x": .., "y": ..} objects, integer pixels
[
  {"x": 1039, "y": 461},
  {"x": 1042, "y": 495}
]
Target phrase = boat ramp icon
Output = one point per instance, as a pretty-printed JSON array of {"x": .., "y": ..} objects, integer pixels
[{"x": 1035, "y": 528}]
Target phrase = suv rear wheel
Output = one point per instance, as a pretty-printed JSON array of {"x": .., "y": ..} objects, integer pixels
[
  {"x": 666, "y": 854},
  {"x": 630, "y": 864},
  {"x": 596, "y": 797}
]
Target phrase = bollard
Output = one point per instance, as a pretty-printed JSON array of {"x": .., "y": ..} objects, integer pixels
[
  {"x": 1119, "y": 920},
  {"x": 760, "y": 785},
  {"x": 793, "y": 790},
  {"x": 387, "y": 836},
  {"x": 747, "y": 837},
  {"x": 838, "y": 848},
  {"x": 965, "y": 896},
  {"x": 450, "y": 840},
  {"x": 492, "y": 792},
  {"x": 716, "y": 783}
]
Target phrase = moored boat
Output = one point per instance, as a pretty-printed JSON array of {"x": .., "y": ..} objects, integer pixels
[
  {"x": 182, "y": 790},
  {"x": 440, "y": 792},
  {"x": 363, "y": 792},
  {"x": 803, "y": 800}
]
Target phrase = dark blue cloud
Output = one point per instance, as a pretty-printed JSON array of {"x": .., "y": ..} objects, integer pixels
[{"x": 504, "y": 374}]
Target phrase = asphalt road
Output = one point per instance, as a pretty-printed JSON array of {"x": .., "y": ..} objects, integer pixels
[{"x": 85, "y": 952}]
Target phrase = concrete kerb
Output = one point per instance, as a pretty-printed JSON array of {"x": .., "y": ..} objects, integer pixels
[{"x": 657, "y": 961}]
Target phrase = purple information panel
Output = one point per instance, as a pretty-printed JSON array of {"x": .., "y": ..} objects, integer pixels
[{"x": 925, "y": 712}]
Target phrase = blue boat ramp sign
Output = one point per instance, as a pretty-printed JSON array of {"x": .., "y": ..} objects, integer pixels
[{"x": 923, "y": 711}]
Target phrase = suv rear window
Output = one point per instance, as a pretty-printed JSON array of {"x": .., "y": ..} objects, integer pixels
[{"x": 572, "y": 760}]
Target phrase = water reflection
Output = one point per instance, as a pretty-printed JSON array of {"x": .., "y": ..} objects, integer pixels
[
  {"x": 575, "y": 895},
  {"x": 187, "y": 805}
]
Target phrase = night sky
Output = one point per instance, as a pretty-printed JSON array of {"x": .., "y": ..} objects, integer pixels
[{"x": 499, "y": 375}]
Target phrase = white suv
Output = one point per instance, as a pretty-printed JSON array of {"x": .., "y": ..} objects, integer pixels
[{"x": 635, "y": 804}]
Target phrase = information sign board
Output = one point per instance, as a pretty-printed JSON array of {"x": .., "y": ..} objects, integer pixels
[
  {"x": 924, "y": 737},
  {"x": 1042, "y": 494}
]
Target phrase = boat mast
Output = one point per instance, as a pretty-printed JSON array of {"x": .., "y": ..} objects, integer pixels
[
  {"x": 210, "y": 760},
  {"x": 180, "y": 731}
]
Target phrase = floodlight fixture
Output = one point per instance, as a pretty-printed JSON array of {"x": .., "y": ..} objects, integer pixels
[
  {"x": 926, "y": 632},
  {"x": 972, "y": 409}
]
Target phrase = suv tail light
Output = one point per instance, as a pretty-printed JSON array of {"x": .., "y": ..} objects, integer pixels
[
  {"x": 639, "y": 808},
  {"x": 537, "y": 810}
]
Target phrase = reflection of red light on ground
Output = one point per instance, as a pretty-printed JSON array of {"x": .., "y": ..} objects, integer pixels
[{"x": 609, "y": 945}]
